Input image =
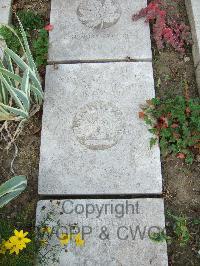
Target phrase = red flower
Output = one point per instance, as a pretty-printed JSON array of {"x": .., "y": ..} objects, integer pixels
[
  {"x": 187, "y": 110},
  {"x": 166, "y": 29},
  {"x": 152, "y": 6},
  {"x": 181, "y": 156},
  {"x": 162, "y": 122},
  {"x": 162, "y": 13},
  {"x": 141, "y": 115},
  {"x": 174, "y": 125},
  {"x": 176, "y": 135},
  {"x": 48, "y": 27}
]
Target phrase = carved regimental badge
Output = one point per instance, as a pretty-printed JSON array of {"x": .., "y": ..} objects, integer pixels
[
  {"x": 98, "y": 125},
  {"x": 99, "y": 14}
]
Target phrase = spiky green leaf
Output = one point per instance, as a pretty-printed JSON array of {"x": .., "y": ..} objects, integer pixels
[{"x": 11, "y": 189}]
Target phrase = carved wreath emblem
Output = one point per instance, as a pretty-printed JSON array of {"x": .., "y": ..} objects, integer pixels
[
  {"x": 99, "y": 14},
  {"x": 98, "y": 125}
]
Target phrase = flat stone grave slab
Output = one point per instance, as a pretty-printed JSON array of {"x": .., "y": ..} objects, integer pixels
[
  {"x": 5, "y": 11},
  {"x": 98, "y": 30},
  {"x": 198, "y": 77},
  {"x": 193, "y": 10},
  {"x": 2, "y": 47},
  {"x": 93, "y": 141},
  {"x": 103, "y": 232}
]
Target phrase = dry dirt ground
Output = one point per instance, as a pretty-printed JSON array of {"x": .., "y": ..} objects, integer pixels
[{"x": 182, "y": 182}]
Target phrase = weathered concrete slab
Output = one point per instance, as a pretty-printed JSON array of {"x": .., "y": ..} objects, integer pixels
[
  {"x": 198, "y": 77},
  {"x": 98, "y": 30},
  {"x": 193, "y": 10},
  {"x": 5, "y": 11},
  {"x": 92, "y": 139},
  {"x": 115, "y": 232},
  {"x": 2, "y": 47}
]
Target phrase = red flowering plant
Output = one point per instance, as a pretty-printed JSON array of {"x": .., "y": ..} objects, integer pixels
[
  {"x": 49, "y": 27},
  {"x": 168, "y": 29},
  {"x": 176, "y": 124}
]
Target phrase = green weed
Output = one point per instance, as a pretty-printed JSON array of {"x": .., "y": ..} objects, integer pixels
[
  {"x": 40, "y": 48},
  {"x": 30, "y": 20},
  {"x": 33, "y": 25},
  {"x": 180, "y": 227},
  {"x": 10, "y": 39},
  {"x": 175, "y": 122},
  {"x": 160, "y": 237}
]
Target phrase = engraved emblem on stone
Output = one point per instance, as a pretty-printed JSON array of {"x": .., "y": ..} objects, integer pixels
[
  {"x": 98, "y": 125},
  {"x": 99, "y": 14}
]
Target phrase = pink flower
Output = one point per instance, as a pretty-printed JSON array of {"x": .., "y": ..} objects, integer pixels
[
  {"x": 181, "y": 155},
  {"x": 48, "y": 27},
  {"x": 174, "y": 125}
]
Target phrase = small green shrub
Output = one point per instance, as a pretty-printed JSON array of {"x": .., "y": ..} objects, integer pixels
[
  {"x": 30, "y": 20},
  {"x": 11, "y": 40},
  {"x": 20, "y": 86},
  {"x": 180, "y": 227},
  {"x": 176, "y": 124},
  {"x": 160, "y": 237},
  {"x": 40, "y": 48},
  {"x": 33, "y": 26}
]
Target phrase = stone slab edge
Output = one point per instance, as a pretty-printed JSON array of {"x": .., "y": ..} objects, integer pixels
[
  {"x": 5, "y": 11},
  {"x": 47, "y": 184},
  {"x": 5, "y": 18},
  {"x": 143, "y": 217},
  {"x": 198, "y": 77},
  {"x": 53, "y": 56},
  {"x": 193, "y": 10}
]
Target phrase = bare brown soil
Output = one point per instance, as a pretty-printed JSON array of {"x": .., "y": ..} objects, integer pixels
[
  {"x": 182, "y": 182},
  {"x": 27, "y": 145}
]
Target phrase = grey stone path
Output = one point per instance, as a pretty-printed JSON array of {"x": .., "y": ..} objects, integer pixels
[
  {"x": 89, "y": 30},
  {"x": 118, "y": 235},
  {"x": 5, "y": 15},
  {"x": 193, "y": 9},
  {"x": 93, "y": 142},
  {"x": 5, "y": 11}
]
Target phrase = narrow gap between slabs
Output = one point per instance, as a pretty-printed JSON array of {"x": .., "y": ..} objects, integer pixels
[
  {"x": 98, "y": 61},
  {"x": 115, "y": 196}
]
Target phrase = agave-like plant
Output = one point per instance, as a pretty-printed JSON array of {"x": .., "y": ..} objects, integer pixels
[
  {"x": 11, "y": 189},
  {"x": 20, "y": 86}
]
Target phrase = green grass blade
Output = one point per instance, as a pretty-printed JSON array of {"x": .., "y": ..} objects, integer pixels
[
  {"x": 39, "y": 95},
  {"x": 24, "y": 67},
  {"x": 14, "y": 32},
  {"x": 3, "y": 93},
  {"x": 25, "y": 81},
  {"x": 9, "y": 62},
  {"x": 11, "y": 189},
  {"x": 10, "y": 74},
  {"x": 6, "y": 77},
  {"x": 5, "y": 115},
  {"x": 27, "y": 49},
  {"x": 17, "y": 59},
  {"x": 22, "y": 96},
  {"x": 17, "y": 112},
  {"x": 12, "y": 92}
]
